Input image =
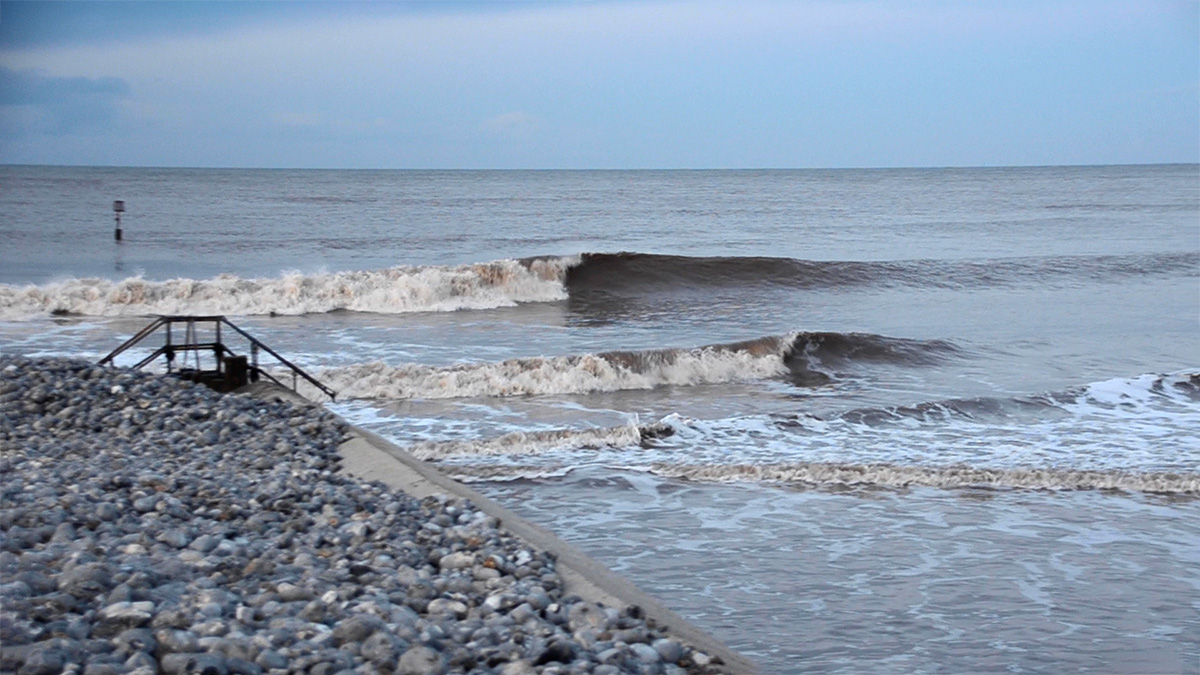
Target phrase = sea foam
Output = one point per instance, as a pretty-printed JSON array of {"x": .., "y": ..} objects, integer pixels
[
  {"x": 573, "y": 374},
  {"x": 500, "y": 283}
]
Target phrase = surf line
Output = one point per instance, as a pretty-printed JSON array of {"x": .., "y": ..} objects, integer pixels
[{"x": 957, "y": 476}]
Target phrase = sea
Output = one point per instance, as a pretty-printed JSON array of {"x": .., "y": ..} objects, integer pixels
[{"x": 847, "y": 421}]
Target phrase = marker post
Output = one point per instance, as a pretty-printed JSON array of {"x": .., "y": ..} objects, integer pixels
[{"x": 118, "y": 209}]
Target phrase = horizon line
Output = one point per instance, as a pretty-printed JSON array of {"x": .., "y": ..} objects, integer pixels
[{"x": 595, "y": 169}]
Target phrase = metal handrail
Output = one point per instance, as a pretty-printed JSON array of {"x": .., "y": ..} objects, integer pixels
[{"x": 216, "y": 346}]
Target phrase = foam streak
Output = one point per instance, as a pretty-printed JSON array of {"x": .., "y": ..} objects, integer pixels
[
  {"x": 899, "y": 476},
  {"x": 530, "y": 443}
]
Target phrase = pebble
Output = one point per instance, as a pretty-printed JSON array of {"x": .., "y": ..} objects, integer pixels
[{"x": 150, "y": 525}]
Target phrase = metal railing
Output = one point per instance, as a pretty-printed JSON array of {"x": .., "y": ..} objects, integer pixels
[{"x": 229, "y": 366}]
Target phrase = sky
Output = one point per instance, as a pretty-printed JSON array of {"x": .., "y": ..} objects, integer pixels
[{"x": 602, "y": 84}]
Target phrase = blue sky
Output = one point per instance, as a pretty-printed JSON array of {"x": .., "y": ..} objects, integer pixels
[{"x": 602, "y": 84}]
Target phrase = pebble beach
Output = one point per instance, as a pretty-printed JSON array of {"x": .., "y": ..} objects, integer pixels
[{"x": 151, "y": 525}]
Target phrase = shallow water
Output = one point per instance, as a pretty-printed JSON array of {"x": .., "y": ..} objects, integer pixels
[{"x": 920, "y": 580}]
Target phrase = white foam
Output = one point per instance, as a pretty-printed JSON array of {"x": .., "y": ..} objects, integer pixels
[
  {"x": 523, "y": 443},
  {"x": 500, "y": 474},
  {"x": 862, "y": 476},
  {"x": 1149, "y": 395},
  {"x": 554, "y": 375},
  {"x": 900, "y": 476},
  {"x": 501, "y": 283},
  {"x": 1091, "y": 440},
  {"x": 1145, "y": 423}
]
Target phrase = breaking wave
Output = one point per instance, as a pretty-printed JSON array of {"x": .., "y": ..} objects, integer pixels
[
  {"x": 586, "y": 277},
  {"x": 796, "y": 355},
  {"x": 502, "y": 283}
]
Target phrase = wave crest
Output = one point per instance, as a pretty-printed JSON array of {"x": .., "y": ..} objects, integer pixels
[
  {"x": 800, "y": 356},
  {"x": 576, "y": 374},
  {"x": 501, "y": 283}
]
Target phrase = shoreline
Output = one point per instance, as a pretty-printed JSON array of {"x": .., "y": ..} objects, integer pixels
[
  {"x": 369, "y": 456},
  {"x": 151, "y": 525}
]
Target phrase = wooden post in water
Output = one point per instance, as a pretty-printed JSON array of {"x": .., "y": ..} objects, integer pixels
[{"x": 118, "y": 209}]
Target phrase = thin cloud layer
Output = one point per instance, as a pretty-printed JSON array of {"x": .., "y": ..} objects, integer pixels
[{"x": 34, "y": 103}]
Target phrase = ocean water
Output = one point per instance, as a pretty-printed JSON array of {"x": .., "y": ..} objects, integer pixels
[{"x": 911, "y": 420}]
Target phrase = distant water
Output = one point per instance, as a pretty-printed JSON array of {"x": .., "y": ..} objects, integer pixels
[{"x": 941, "y": 420}]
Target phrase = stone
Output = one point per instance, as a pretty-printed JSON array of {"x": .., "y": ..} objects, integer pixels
[
  {"x": 204, "y": 543},
  {"x": 669, "y": 650},
  {"x": 172, "y": 641},
  {"x": 519, "y": 667},
  {"x": 139, "y": 661},
  {"x": 586, "y": 616},
  {"x": 43, "y": 662},
  {"x": 271, "y": 660},
  {"x": 356, "y": 628},
  {"x": 86, "y": 581},
  {"x": 136, "y": 640},
  {"x": 193, "y": 664},
  {"x": 121, "y": 616},
  {"x": 292, "y": 593},
  {"x": 421, "y": 660},
  {"x": 447, "y": 606},
  {"x": 238, "y": 666},
  {"x": 645, "y": 653},
  {"x": 174, "y": 538},
  {"x": 382, "y": 648},
  {"x": 559, "y": 651},
  {"x": 456, "y": 561}
]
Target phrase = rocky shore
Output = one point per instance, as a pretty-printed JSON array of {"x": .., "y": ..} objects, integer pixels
[{"x": 149, "y": 525}]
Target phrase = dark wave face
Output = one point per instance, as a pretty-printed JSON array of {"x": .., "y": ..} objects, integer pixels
[
  {"x": 635, "y": 273},
  {"x": 814, "y": 358},
  {"x": 833, "y": 349},
  {"x": 649, "y": 272}
]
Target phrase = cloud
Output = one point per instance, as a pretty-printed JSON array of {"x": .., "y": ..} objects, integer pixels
[{"x": 34, "y": 102}]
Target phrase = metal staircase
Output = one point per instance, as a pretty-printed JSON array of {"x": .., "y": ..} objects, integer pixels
[{"x": 230, "y": 372}]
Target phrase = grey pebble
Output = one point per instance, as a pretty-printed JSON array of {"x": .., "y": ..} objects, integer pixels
[
  {"x": 669, "y": 650},
  {"x": 645, "y": 653},
  {"x": 421, "y": 660},
  {"x": 136, "y": 640}
]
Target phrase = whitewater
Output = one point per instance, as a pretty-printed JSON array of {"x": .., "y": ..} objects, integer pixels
[{"x": 501, "y": 283}]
